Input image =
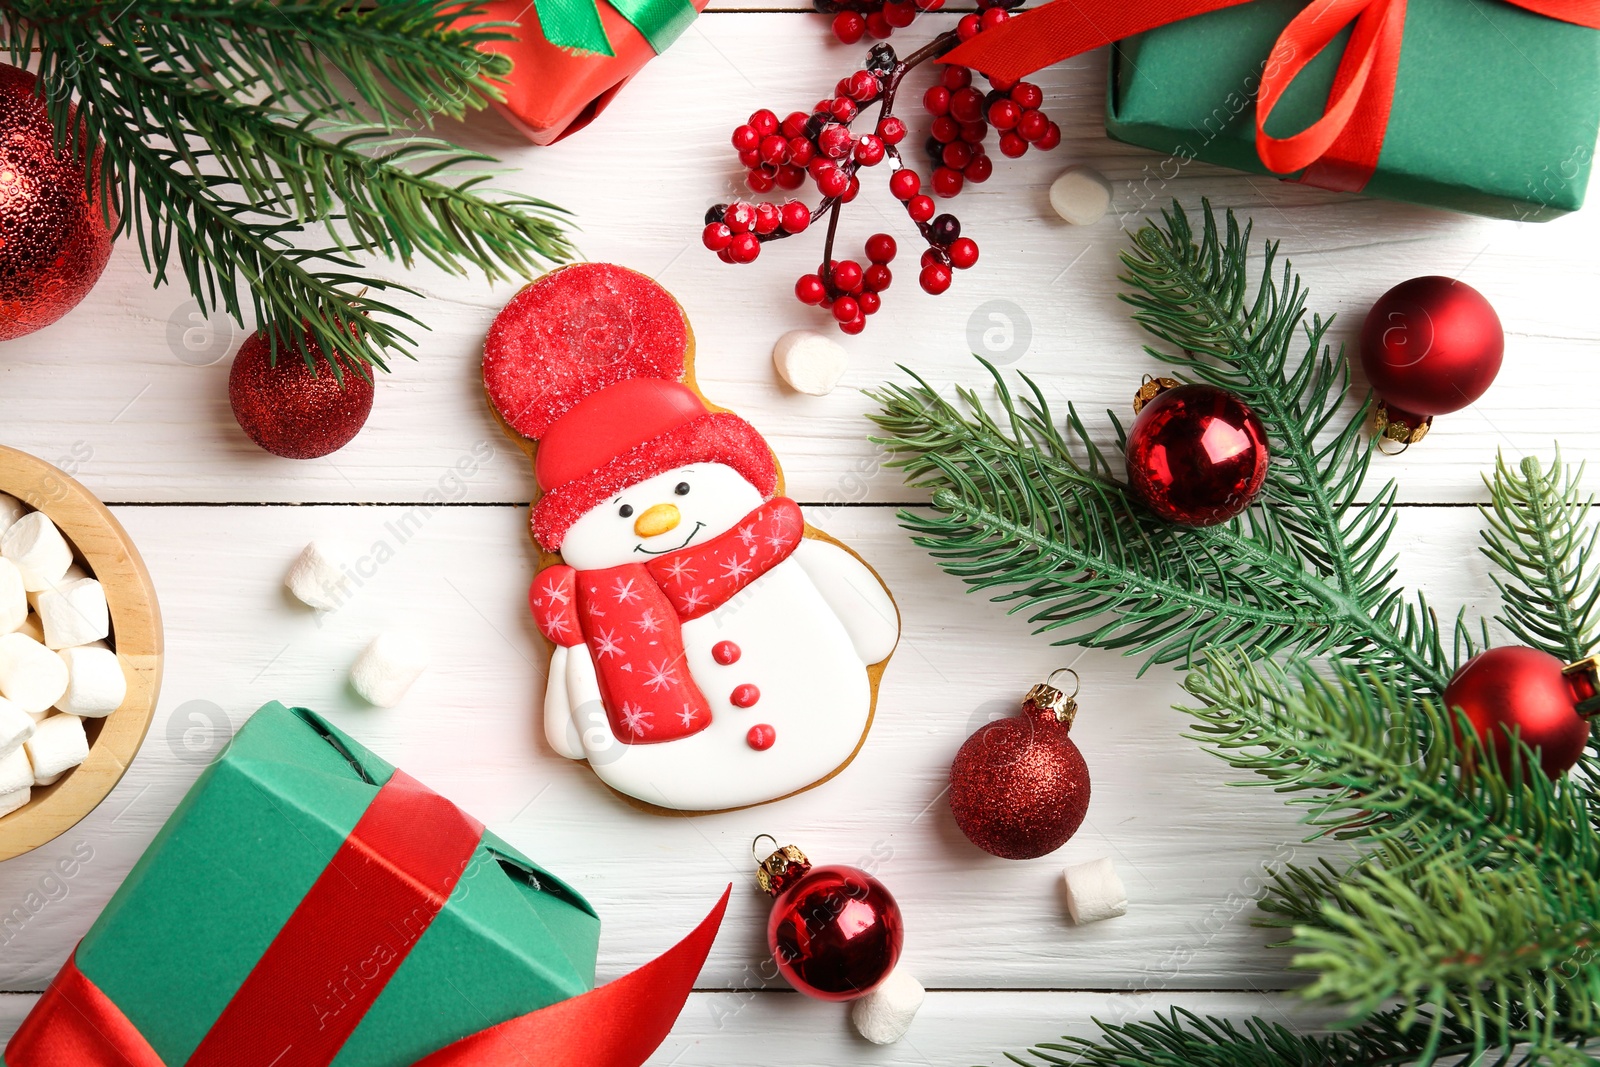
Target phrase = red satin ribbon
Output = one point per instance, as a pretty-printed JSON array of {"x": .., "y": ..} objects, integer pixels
[
  {"x": 1338, "y": 151},
  {"x": 339, "y": 948}
]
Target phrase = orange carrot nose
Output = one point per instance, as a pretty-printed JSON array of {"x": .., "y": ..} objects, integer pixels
[{"x": 657, "y": 520}]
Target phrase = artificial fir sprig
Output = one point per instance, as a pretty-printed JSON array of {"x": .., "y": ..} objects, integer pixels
[
  {"x": 1471, "y": 901},
  {"x": 231, "y": 134}
]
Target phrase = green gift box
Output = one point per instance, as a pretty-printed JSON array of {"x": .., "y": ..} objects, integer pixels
[
  {"x": 291, "y": 895},
  {"x": 1495, "y": 109}
]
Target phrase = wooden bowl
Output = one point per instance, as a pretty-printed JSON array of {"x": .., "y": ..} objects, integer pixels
[{"x": 104, "y": 550}]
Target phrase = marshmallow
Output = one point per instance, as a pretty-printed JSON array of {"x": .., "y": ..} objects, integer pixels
[
  {"x": 31, "y": 676},
  {"x": 74, "y": 573},
  {"x": 11, "y": 509},
  {"x": 810, "y": 362},
  {"x": 52, "y": 780},
  {"x": 37, "y": 548},
  {"x": 16, "y": 726},
  {"x": 13, "y": 597},
  {"x": 317, "y": 580},
  {"x": 15, "y": 772},
  {"x": 384, "y": 672},
  {"x": 1081, "y": 195},
  {"x": 884, "y": 1015},
  {"x": 10, "y": 802},
  {"x": 58, "y": 744},
  {"x": 74, "y": 614},
  {"x": 96, "y": 685},
  {"x": 1094, "y": 891}
]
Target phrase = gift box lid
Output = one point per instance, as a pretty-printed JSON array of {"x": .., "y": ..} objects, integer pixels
[
  {"x": 1496, "y": 108},
  {"x": 240, "y": 852}
]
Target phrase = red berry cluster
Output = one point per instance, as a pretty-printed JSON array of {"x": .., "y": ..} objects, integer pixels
[
  {"x": 852, "y": 19},
  {"x": 820, "y": 145}
]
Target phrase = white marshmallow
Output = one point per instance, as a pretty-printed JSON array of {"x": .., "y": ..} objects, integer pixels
[
  {"x": 16, "y": 772},
  {"x": 317, "y": 580},
  {"x": 1081, "y": 195},
  {"x": 1094, "y": 891},
  {"x": 31, "y": 676},
  {"x": 384, "y": 672},
  {"x": 37, "y": 548},
  {"x": 884, "y": 1015},
  {"x": 16, "y": 726},
  {"x": 17, "y": 798},
  {"x": 74, "y": 614},
  {"x": 96, "y": 685},
  {"x": 11, "y": 509},
  {"x": 13, "y": 597},
  {"x": 58, "y": 744},
  {"x": 52, "y": 780},
  {"x": 74, "y": 573},
  {"x": 810, "y": 362}
]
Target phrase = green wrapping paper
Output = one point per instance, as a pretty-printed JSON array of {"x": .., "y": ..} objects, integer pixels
[
  {"x": 1496, "y": 109},
  {"x": 257, "y": 829}
]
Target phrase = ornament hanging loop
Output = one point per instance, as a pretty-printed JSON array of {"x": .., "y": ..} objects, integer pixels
[
  {"x": 1046, "y": 697},
  {"x": 1077, "y": 682},
  {"x": 755, "y": 847}
]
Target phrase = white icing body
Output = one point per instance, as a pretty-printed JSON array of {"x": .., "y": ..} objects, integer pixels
[{"x": 806, "y": 632}]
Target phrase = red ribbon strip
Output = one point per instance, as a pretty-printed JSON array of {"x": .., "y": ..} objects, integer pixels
[
  {"x": 1338, "y": 151},
  {"x": 370, "y": 905}
]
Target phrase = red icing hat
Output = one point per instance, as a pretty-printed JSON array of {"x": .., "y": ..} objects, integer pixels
[{"x": 589, "y": 361}]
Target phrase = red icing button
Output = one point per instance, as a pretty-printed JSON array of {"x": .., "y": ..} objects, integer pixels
[
  {"x": 761, "y": 737},
  {"x": 725, "y": 652},
  {"x": 745, "y": 696}
]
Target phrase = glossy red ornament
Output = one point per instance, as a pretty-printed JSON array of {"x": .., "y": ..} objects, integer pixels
[
  {"x": 54, "y": 240},
  {"x": 1019, "y": 787},
  {"x": 1429, "y": 346},
  {"x": 291, "y": 411},
  {"x": 835, "y": 932},
  {"x": 1197, "y": 454},
  {"x": 1521, "y": 690}
]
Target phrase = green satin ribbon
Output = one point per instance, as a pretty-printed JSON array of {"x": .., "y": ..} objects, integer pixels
[{"x": 576, "y": 24}]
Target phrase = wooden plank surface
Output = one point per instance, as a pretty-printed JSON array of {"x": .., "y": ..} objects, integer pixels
[{"x": 129, "y": 395}]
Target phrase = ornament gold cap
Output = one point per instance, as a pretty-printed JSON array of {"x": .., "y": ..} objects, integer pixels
[
  {"x": 1046, "y": 696},
  {"x": 1583, "y": 678},
  {"x": 1151, "y": 388},
  {"x": 775, "y": 873},
  {"x": 1402, "y": 426}
]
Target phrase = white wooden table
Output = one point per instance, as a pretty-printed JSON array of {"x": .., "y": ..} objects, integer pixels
[{"x": 119, "y": 395}]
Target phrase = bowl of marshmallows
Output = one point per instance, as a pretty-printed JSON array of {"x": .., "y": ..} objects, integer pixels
[{"x": 80, "y": 652}]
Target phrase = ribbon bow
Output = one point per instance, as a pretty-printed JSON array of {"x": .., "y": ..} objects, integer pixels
[
  {"x": 576, "y": 24},
  {"x": 1338, "y": 151}
]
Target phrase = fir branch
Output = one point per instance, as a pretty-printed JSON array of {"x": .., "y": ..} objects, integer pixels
[
  {"x": 1184, "y": 1039},
  {"x": 229, "y": 129},
  {"x": 1538, "y": 535}
]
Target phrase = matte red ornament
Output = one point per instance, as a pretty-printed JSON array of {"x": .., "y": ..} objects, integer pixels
[
  {"x": 1019, "y": 787},
  {"x": 54, "y": 240},
  {"x": 1522, "y": 691},
  {"x": 288, "y": 409},
  {"x": 834, "y": 932},
  {"x": 1197, "y": 454},
  {"x": 1429, "y": 346}
]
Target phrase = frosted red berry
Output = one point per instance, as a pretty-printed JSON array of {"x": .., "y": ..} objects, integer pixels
[
  {"x": 881, "y": 248},
  {"x": 954, "y": 78},
  {"x": 877, "y": 278},
  {"x": 963, "y": 253},
  {"x": 1027, "y": 95},
  {"x": 869, "y": 302},
  {"x": 717, "y": 236},
  {"x": 968, "y": 27},
  {"x": 764, "y": 123},
  {"x": 946, "y": 182},
  {"x": 920, "y": 207},
  {"x": 892, "y": 130},
  {"x": 1032, "y": 125},
  {"x": 935, "y": 278},
  {"x": 1004, "y": 114},
  {"x": 1051, "y": 138},
  {"x": 847, "y": 275},
  {"x": 1012, "y": 145},
  {"x": 744, "y": 248},
  {"x": 740, "y": 217},
  {"x": 845, "y": 309},
  {"x": 796, "y": 217},
  {"x": 979, "y": 169},
  {"x": 905, "y": 184},
  {"x": 810, "y": 290},
  {"x": 745, "y": 138},
  {"x": 869, "y": 151}
]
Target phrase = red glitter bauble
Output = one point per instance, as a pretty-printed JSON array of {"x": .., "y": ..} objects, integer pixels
[
  {"x": 1431, "y": 346},
  {"x": 1525, "y": 692},
  {"x": 1196, "y": 454},
  {"x": 835, "y": 932},
  {"x": 1019, "y": 787},
  {"x": 291, "y": 410},
  {"x": 54, "y": 241}
]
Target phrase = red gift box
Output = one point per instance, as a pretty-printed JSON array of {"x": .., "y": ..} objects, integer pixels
[{"x": 571, "y": 60}]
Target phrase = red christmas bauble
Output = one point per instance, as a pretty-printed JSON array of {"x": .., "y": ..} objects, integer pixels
[
  {"x": 1526, "y": 692},
  {"x": 54, "y": 240},
  {"x": 834, "y": 932},
  {"x": 1019, "y": 787},
  {"x": 1197, "y": 454},
  {"x": 291, "y": 410},
  {"x": 1431, "y": 346}
]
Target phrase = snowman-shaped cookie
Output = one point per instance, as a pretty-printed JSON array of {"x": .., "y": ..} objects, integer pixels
[{"x": 709, "y": 649}]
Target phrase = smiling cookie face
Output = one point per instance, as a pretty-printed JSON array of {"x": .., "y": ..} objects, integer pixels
[{"x": 675, "y": 509}]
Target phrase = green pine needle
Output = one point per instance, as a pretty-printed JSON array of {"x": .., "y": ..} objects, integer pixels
[{"x": 236, "y": 133}]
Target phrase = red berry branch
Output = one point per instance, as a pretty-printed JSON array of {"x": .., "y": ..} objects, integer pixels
[{"x": 822, "y": 146}]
